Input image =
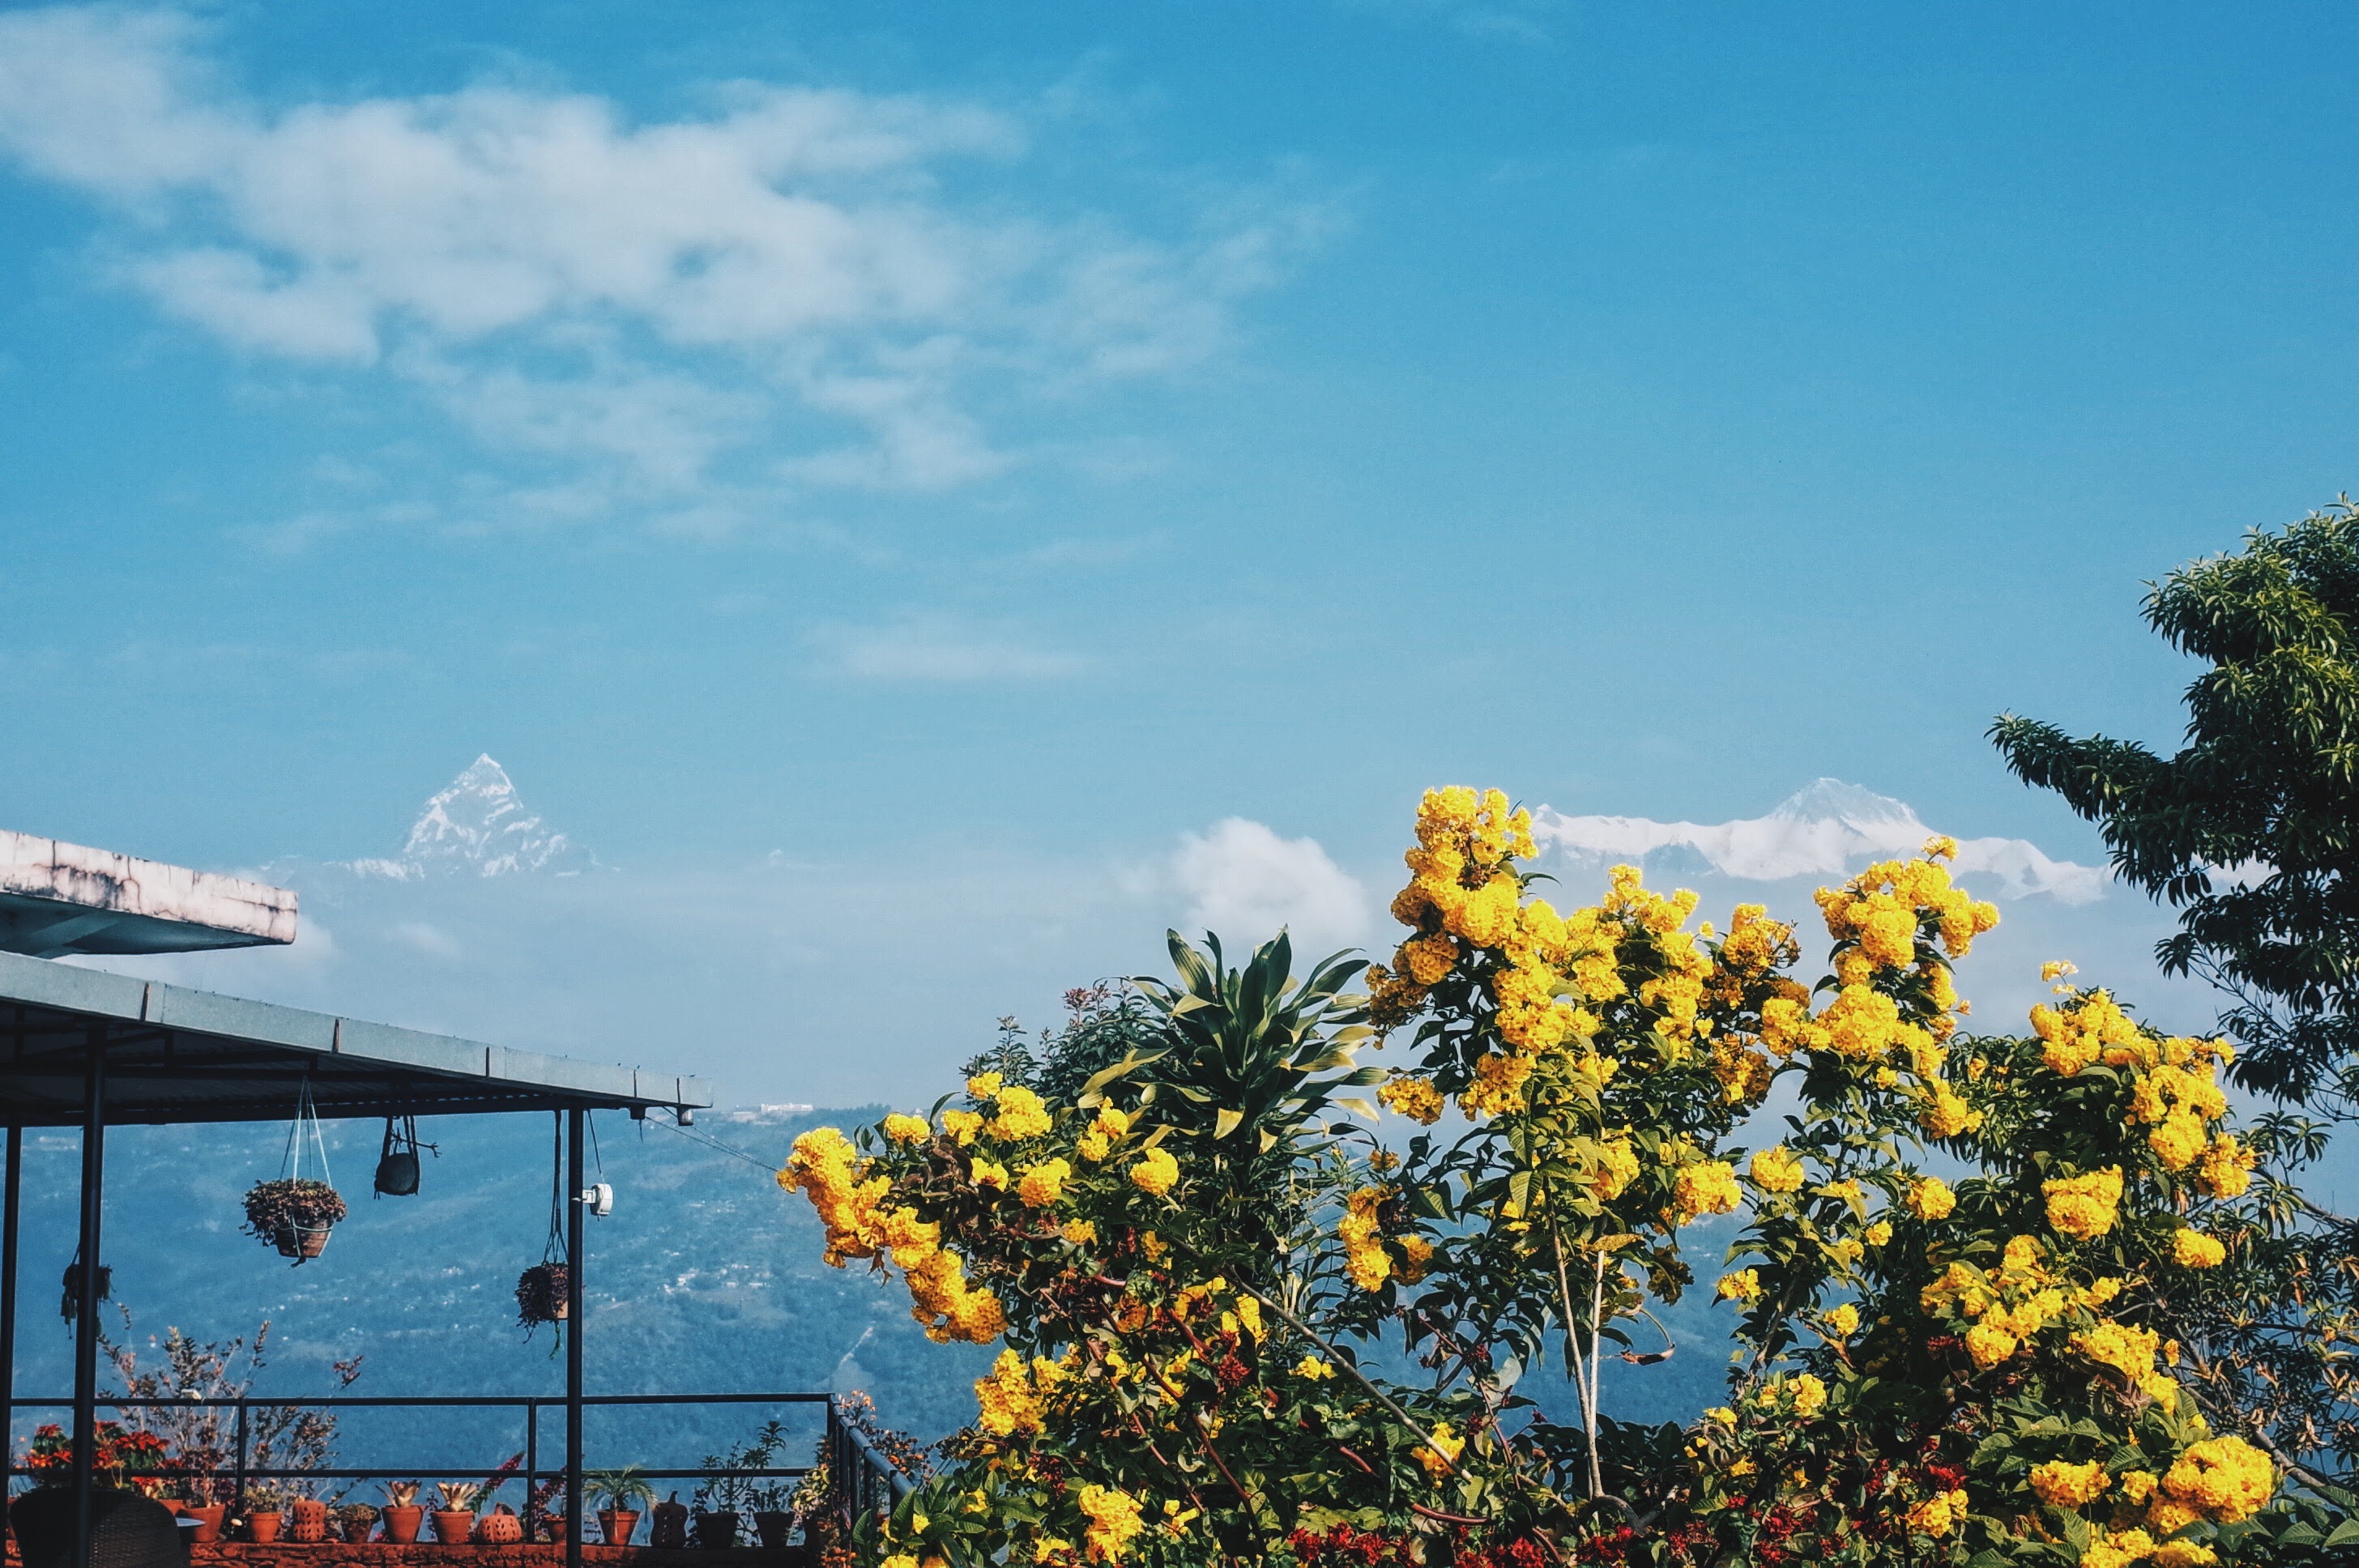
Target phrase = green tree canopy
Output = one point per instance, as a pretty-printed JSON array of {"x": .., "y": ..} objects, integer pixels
[{"x": 2251, "y": 829}]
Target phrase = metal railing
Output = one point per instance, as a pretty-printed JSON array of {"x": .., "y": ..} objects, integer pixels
[
  {"x": 240, "y": 1470},
  {"x": 861, "y": 1479}
]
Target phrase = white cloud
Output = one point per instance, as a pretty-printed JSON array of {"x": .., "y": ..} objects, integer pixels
[
  {"x": 831, "y": 270},
  {"x": 1826, "y": 830},
  {"x": 1244, "y": 882},
  {"x": 937, "y": 650}
]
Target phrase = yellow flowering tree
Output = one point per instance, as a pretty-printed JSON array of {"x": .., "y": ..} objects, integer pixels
[{"x": 1236, "y": 1329}]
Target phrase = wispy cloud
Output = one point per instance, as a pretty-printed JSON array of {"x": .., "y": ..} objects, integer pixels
[
  {"x": 937, "y": 650},
  {"x": 805, "y": 277}
]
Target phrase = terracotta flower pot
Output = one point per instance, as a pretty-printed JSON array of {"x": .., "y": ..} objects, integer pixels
[
  {"x": 307, "y": 1521},
  {"x": 209, "y": 1518},
  {"x": 354, "y": 1522},
  {"x": 618, "y": 1524},
  {"x": 499, "y": 1527},
  {"x": 716, "y": 1532},
  {"x": 774, "y": 1529},
  {"x": 452, "y": 1526},
  {"x": 402, "y": 1522},
  {"x": 263, "y": 1525}
]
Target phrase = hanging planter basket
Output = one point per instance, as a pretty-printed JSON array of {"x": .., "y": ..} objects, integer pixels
[
  {"x": 294, "y": 1215},
  {"x": 544, "y": 1294}
]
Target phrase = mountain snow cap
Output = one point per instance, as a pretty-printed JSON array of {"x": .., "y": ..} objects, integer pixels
[{"x": 478, "y": 822}]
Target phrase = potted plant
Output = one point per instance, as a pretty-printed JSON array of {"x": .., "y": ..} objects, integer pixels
[
  {"x": 544, "y": 1294},
  {"x": 262, "y": 1518},
  {"x": 354, "y": 1522},
  {"x": 619, "y": 1495},
  {"x": 455, "y": 1511},
  {"x": 294, "y": 1215},
  {"x": 402, "y": 1514},
  {"x": 199, "y": 1506},
  {"x": 728, "y": 1493}
]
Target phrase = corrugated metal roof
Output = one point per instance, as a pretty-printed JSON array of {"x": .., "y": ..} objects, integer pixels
[{"x": 176, "y": 1054}]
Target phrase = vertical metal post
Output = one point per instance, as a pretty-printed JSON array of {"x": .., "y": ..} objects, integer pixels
[
  {"x": 578, "y": 1298},
  {"x": 8, "y": 1206},
  {"x": 532, "y": 1460},
  {"x": 86, "y": 1395},
  {"x": 237, "y": 1475}
]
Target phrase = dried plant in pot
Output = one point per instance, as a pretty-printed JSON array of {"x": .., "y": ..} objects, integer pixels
[
  {"x": 455, "y": 1511},
  {"x": 544, "y": 1294},
  {"x": 403, "y": 1516},
  {"x": 294, "y": 1215}
]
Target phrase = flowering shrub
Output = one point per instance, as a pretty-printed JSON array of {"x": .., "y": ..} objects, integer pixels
[
  {"x": 118, "y": 1455},
  {"x": 1188, "y": 1262}
]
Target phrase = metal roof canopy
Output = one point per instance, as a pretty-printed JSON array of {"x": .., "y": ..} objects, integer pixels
[{"x": 178, "y": 1056}]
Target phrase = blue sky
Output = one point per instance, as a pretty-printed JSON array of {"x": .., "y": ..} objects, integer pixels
[{"x": 949, "y": 436}]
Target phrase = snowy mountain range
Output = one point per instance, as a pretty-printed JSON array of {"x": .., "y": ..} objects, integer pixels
[
  {"x": 477, "y": 822},
  {"x": 1825, "y": 829}
]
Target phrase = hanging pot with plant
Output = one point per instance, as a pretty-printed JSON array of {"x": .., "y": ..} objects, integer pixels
[
  {"x": 396, "y": 1163},
  {"x": 296, "y": 1212},
  {"x": 544, "y": 1294}
]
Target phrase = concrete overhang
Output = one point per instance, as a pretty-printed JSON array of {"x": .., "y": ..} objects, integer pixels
[{"x": 59, "y": 898}]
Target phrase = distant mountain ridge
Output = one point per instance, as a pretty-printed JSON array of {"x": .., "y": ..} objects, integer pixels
[
  {"x": 1829, "y": 828},
  {"x": 479, "y": 823}
]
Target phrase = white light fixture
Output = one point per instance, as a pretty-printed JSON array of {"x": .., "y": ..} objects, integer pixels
[{"x": 600, "y": 1199}]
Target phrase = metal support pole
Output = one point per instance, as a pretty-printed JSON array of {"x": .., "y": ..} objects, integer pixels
[
  {"x": 577, "y": 1300},
  {"x": 8, "y": 1206},
  {"x": 94, "y": 1177}
]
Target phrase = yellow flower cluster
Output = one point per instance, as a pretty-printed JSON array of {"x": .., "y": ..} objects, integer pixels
[
  {"x": 2063, "y": 1483},
  {"x": 1616, "y": 1166},
  {"x": 2226, "y": 1169},
  {"x": 2224, "y": 1479},
  {"x": 2084, "y": 1208},
  {"x": 1930, "y": 1197},
  {"x": 1461, "y": 886},
  {"x": 1744, "y": 1285},
  {"x": 1879, "y": 908},
  {"x": 1155, "y": 1172},
  {"x": 1439, "y": 1451},
  {"x": 2005, "y": 1307},
  {"x": 826, "y": 1169},
  {"x": 1705, "y": 1186},
  {"x": 1097, "y": 1141},
  {"x": 1011, "y": 1394},
  {"x": 1939, "y": 1514},
  {"x": 1114, "y": 1519},
  {"x": 2193, "y": 1249},
  {"x": 903, "y": 1129},
  {"x": 1043, "y": 1184},
  {"x": 1777, "y": 1170},
  {"x": 1806, "y": 1392},
  {"x": 1364, "y": 1258},
  {"x": 2130, "y": 1351},
  {"x": 1413, "y": 1097}
]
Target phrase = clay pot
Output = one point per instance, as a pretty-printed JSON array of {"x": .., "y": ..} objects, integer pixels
[
  {"x": 499, "y": 1527},
  {"x": 401, "y": 1522},
  {"x": 774, "y": 1529},
  {"x": 263, "y": 1525},
  {"x": 453, "y": 1527},
  {"x": 668, "y": 1523},
  {"x": 716, "y": 1532},
  {"x": 354, "y": 1520},
  {"x": 618, "y": 1524},
  {"x": 307, "y": 1521},
  {"x": 209, "y": 1518}
]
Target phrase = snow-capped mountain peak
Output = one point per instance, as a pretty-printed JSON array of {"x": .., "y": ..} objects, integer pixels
[
  {"x": 1829, "y": 828},
  {"x": 477, "y": 822}
]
